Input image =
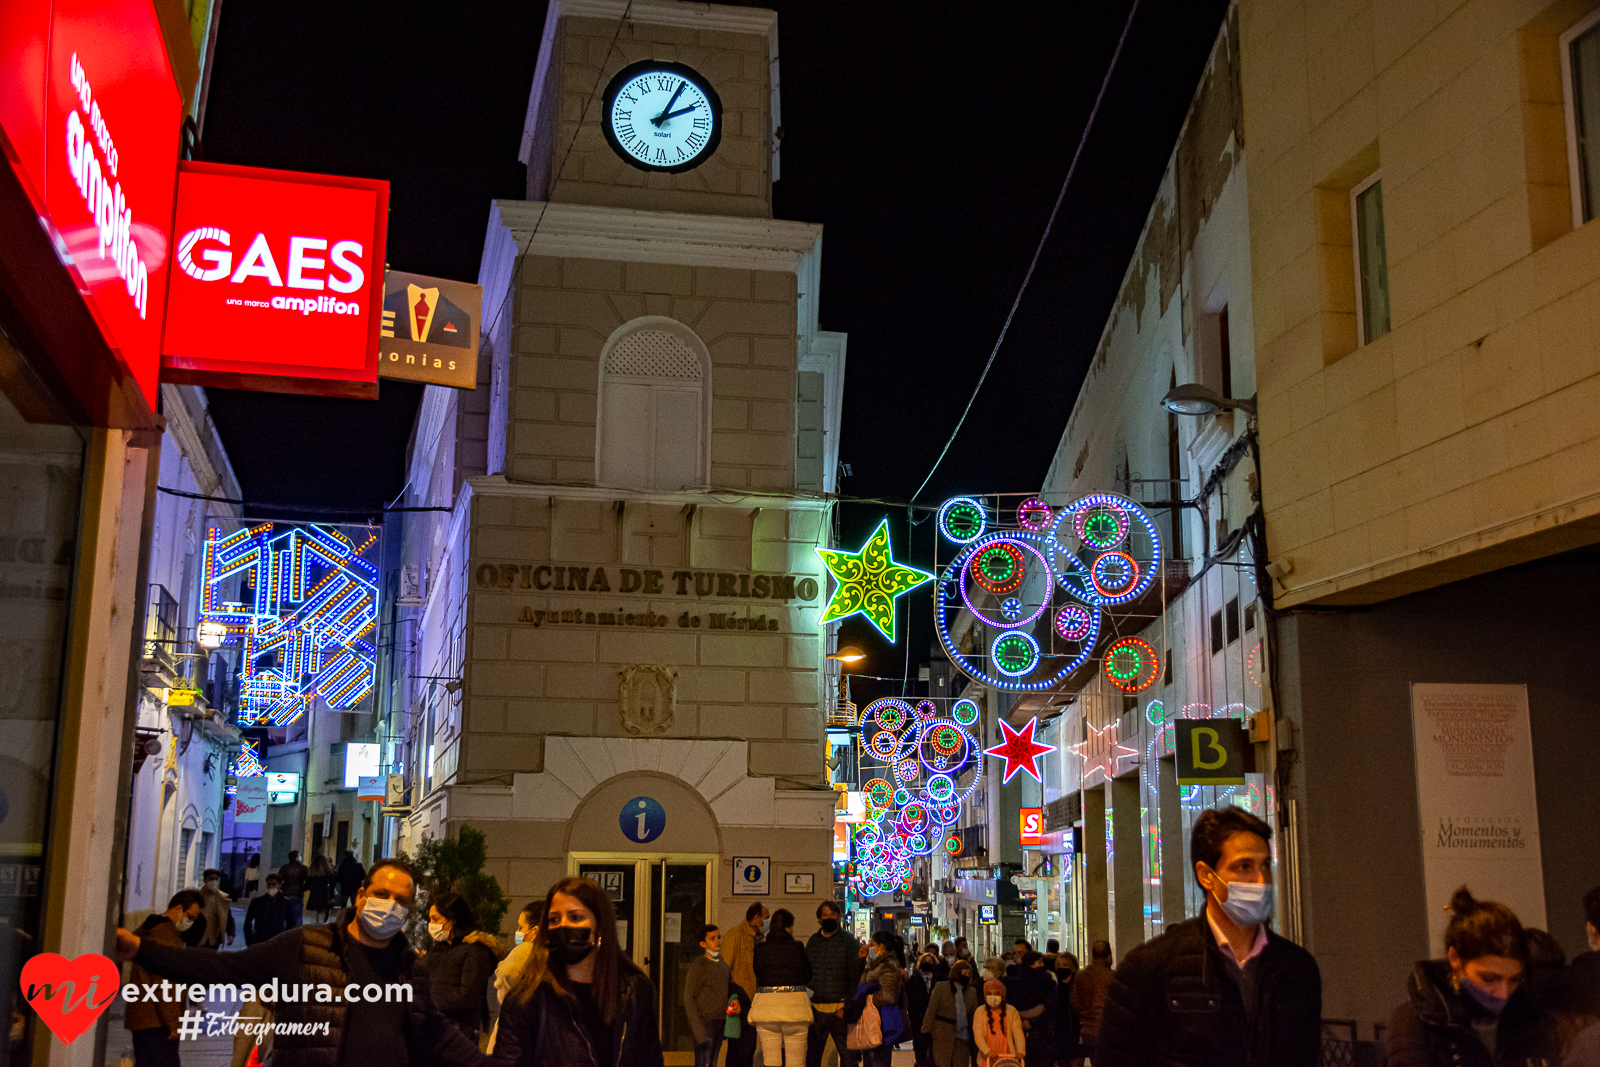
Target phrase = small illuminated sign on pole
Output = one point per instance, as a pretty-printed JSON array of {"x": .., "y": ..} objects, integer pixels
[
  {"x": 360, "y": 761},
  {"x": 282, "y": 788}
]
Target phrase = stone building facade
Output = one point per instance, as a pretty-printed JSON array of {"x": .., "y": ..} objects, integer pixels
[{"x": 612, "y": 664}]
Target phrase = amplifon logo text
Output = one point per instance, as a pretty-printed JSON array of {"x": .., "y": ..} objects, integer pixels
[{"x": 87, "y": 145}]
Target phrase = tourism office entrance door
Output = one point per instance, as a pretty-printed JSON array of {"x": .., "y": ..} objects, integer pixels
[{"x": 661, "y": 902}]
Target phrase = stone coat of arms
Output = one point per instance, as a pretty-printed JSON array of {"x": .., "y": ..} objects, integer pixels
[{"x": 647, "y": 699}]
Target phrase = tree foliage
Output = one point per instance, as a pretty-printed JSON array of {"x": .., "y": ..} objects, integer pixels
[{"x": 446, "y": 866}]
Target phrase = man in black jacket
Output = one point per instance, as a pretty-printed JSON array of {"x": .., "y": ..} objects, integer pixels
[
  {"x": 268, "y": 915},
  {"x": 836, "y": 966},
  {"x": 292, "y": 877},
  {"x": 362, "y": 948},
  {"x": 1222, "y": 987}
]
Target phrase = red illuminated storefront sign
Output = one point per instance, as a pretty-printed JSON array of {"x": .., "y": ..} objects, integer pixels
[
  {"x": 277, "y": 281},
  {"x": 1031, "y": 825},
  {"x": 91, "y": 115}
]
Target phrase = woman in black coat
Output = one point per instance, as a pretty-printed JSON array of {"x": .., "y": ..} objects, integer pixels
[
  {"x": 1468, "y": 1009},
  {"x": 919, "y": 990},
  {"x": 580, "y": 1002},
  {"x": 460, "y": 964},
  {"x": 781, "y": 1008}
]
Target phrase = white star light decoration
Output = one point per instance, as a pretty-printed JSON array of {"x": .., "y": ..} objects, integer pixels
[{"x": 1102, "y": 755}]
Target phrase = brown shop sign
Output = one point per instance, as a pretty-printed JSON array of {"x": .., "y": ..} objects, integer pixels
[{"x": 554, "y": 578}]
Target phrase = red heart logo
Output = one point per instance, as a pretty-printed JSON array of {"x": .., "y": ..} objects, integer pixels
[{"x": 69, "y": 995}]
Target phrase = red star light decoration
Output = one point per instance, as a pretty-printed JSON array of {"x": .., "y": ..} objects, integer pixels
[
  {"x": 1020, "y": 751},
  {"x": 1102, "y": 754}
]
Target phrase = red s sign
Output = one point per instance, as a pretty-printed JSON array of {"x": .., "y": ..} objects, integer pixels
[
  {"x": 276, "y": 281},
  {"x": 1032, "y": 826}
]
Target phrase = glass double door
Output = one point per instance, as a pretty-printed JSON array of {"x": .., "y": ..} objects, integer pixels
[{"x": 661, "y": 902}]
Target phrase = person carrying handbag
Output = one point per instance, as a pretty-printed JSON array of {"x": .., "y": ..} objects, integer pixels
[{"x": 997, "y": 1029}]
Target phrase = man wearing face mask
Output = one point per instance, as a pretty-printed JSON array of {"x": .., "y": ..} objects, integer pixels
[
  {"x": 363, "y": 946},
  {"x": 268, "y": 916},
  {"x": 155, "y": 1025},
  {"x": 739, "y": 953},
  {"x": 836, "y": 966},
  {"x": 216, "y": 908},
  {"x": 1222, "y": 987}
]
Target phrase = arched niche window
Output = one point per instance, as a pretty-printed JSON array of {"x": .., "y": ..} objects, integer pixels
[{"x": 655, "y": 407}]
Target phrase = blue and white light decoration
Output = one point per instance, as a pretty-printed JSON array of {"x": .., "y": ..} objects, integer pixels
[
  {"x": 247, "y": 765},
  {"x": 312, "y": 613},
  {"x": 1037, "y": 586},
  {"x": 931, "y": 763}
]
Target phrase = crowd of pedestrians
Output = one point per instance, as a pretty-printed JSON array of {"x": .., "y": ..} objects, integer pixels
[{"x": 1221, "y": 988}]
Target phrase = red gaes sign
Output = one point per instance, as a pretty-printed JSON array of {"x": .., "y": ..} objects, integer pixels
[
  {"x": 276, "y": 281},
  {"x": 91, "y": 116}
]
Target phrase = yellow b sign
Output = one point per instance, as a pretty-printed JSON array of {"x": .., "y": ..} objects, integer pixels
[{"x": 1211, "y": 751}]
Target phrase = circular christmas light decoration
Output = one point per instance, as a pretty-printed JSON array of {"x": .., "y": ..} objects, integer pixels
[
  {"x": 884, "y": 746},
  {"x": 1100, "y": 521},
  {"x": 940, "y": 788},
  {"x": 1075, "y": 622},
  {"x": 891, "y": 713},
  {"x": 908, "y": 771},
  {"x": 1014, "y": 547},
  {"x": 1011, "y": 608},
  {"x": 1033, "y": 515},
  {"x": 919, "y": 844},
  {"x": 1155, "y": 713},
  {"x": 1015, "y": 653},
  {"x": 1132, "y": 665},
  {"x": 961, "y": 520},
  {"x": 879, "y": 792},
  {"x": 1113, "y": 574},
  {"x": 901, "y": 798},
  {"x": 946, "y": 740},
  {"x": 964, "y": 712},
  {"x": 926, "y": 710},
  {"x": 998, "y": 568},
  {"x": 952, "y": 845}
]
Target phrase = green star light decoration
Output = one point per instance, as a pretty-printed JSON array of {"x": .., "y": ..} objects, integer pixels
[{"x": 869, "y": 582}]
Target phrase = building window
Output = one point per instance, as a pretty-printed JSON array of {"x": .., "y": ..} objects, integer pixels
[
  {"x": 1372, "y": 265},
  {"x": 1580, "y": 78},
  {"x": 1233, "y": 620},
  {"x": 1216, "y": 632},
  {"x": 654, "y": 407}
]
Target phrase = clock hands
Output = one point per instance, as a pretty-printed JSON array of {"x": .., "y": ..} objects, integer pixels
[
  {"x": 663, "y": 117},
  {"x": 680, "y": 111}
]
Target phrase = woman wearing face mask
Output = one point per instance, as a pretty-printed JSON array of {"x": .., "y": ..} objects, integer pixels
[
  {"x": 781, "y": 1008},
  {"x": 509, "y": 970},
  {"x": 585, "y": 1004},
  {"x": 997, "y": 1028},
  {"x": 884, "y": 981},
  {"x": 919, "y": 991},
  {"x": 460, "y": 963},
  {"x": 948, "y": 1020},
  {"x": 1465, "y": 1010},
  {"x": 1066, "y": 1015}
]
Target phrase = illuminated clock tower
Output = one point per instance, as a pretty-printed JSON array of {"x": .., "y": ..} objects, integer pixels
[{"x": 628, "y": 587}]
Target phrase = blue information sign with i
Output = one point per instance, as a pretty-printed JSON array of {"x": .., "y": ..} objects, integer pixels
[{"x": 642, "y": 820}]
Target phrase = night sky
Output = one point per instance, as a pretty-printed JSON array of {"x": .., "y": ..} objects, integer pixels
[{"x": 929, "y": 140}]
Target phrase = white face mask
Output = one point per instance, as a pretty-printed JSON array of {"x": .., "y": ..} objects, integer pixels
[
  {"x": 993, "y": 1000},
  {"x": 436, "y": 931},
  {"x": 184, "y": 923},
  {"x": 212, "y": 883},
  {"x": 1248, "y": 903},
  {"x": 272, "y": 890},
  {"x": 381, "y": 918},
  {"x": 518, "y": 939}
]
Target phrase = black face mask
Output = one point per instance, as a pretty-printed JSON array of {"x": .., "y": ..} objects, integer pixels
[
  {"x": 960, "y": 980},
  {"x": 926, "y": 968},
  {"x": 829, "y": 925},
  {"x": 570, "y": 944}
]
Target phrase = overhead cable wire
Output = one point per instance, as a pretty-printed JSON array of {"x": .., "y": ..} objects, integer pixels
[{"x": 1037, "y": 252}]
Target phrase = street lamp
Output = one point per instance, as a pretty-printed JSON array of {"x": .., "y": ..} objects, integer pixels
[
  {"x": 1197, "y": 399},
  {"x": 849, "y": 654}
]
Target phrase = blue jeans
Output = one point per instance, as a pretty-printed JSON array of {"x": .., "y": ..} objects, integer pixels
[
  {"x": 705, "y": 1055},
  {"x": 297, "y": 901}
]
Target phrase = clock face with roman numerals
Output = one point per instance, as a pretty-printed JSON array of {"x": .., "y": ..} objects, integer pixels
[{"x": 662, "y": 116}]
